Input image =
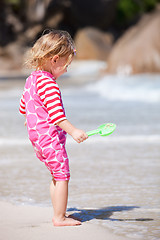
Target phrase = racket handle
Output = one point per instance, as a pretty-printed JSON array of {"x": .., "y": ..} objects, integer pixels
[{"x": 93, "y": 132}]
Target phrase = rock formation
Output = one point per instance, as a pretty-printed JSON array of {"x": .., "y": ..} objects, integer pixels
[
  {"x": 19, "y": 29},
  {"x": 23, "y": 21},
  {"x": 138, "y": 50},
  {"x": 92, "y": 43}
]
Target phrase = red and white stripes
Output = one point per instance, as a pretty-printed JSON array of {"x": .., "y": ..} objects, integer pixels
[
  {"x": 22, "y": 108},
  {"x": 50, "y": 95}
]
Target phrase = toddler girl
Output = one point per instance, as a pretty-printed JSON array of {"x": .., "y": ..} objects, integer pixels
[{"x": 46, "y": 121}]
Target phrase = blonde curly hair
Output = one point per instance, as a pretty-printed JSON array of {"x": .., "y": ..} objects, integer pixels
[{"x": 56, "y": 42}]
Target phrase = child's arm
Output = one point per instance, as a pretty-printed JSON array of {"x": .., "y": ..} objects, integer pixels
[
  {"x": 49, "y": 93},
  {"x": 77, "y": 134},
  {"x": 22, "y": 108}
]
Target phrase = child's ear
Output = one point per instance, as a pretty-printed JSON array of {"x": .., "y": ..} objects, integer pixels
[{"x": 55, "y": 58}]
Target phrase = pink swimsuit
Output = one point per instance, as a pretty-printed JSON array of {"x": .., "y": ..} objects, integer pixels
[{"x": 41, "y": 102}]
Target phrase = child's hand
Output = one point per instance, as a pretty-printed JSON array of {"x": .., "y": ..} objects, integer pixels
[{"x": 79, "y": 135}]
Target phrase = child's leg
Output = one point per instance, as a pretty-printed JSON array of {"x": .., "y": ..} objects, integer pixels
[
  {"x": 59, "y": 196},
  {"x": 52, "y": 188}
]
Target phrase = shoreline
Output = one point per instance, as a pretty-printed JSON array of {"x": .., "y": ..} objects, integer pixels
[
  {"x": 114, "y": 185},
  {"x": 33, "y": 222}
]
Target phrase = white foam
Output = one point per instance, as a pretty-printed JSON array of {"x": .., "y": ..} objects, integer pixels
[
  {"x": 143, "y": 88},
  {"x": 13, "y": 141},
  {"x": 85, "y": 68},
  {"x": 90, "y": 140},
  {"x": 122, "y": 139},
  {"x": 156, "y": 210}
]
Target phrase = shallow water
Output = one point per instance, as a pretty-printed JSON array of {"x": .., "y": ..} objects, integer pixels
[{"x": 114, "y": 180}]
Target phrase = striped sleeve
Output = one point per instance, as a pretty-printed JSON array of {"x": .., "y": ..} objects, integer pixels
[
  {"x": 49, "y": 94},
  {"x": 22, "y": 108}
]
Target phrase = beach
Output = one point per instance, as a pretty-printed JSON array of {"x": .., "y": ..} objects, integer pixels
[
  {"x": 28, "y": 222},
  {"x": 114, "y": 186}
]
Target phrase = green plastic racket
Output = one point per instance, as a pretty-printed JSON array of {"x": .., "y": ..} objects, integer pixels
[{"x": 104, "y": 130}]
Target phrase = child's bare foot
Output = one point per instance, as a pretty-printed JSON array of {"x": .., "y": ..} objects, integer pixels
[{"x": 66, "y": 221}]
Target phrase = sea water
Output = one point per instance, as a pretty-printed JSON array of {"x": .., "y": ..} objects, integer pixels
[{"x": 115, "y": 180}]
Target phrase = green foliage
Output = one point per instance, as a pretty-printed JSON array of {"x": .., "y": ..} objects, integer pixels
[
  {"x": 127, "y": 10},
  {"x": 14, "y": 2}
]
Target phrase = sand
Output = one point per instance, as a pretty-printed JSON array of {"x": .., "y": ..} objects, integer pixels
[{"x": 34, "y": 222}]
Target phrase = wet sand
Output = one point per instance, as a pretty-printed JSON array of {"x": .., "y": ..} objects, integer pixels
[{"x": 28, "y": 222}]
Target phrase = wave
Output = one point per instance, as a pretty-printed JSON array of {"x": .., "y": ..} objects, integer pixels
[
  {"x": 13, "y": 141},
  {"x": 93, "y": 139},
  {"x": 142, "y": 88},
  {"x": 85, "y": 68}
]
